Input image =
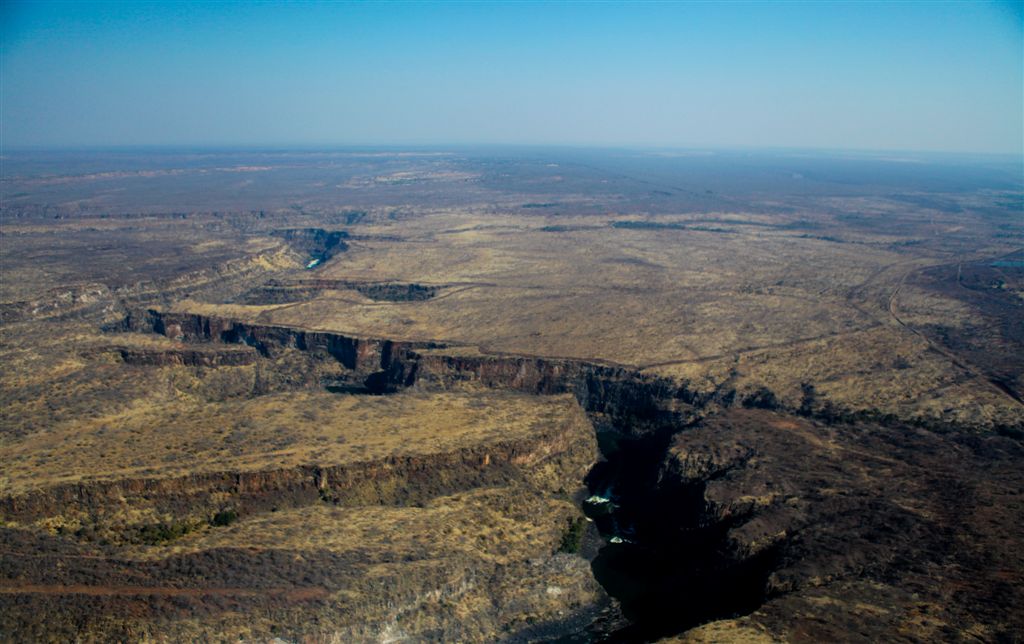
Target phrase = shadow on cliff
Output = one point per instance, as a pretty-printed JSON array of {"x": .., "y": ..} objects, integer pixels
[{"x": 666, "y": 561}]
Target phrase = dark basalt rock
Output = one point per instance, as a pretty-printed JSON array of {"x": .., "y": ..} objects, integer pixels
[
  {"x": 814, "y": 524},
  {"x": 317, "y": 243}
]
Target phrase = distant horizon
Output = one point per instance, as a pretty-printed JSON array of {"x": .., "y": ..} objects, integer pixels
[
  {"x": 459, "y": 147},
  {"x": 890, "y": 77}
]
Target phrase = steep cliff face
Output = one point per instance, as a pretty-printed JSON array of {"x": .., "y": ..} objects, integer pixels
[
  {"x": 316, "y": 243},
  {"x": 389, "y": 363},
  {"x": 636, "y": 414},
  {"x": 635, "y": 399},
  {"x": 599, "y": 388},
  {"x": 865, "y": 527},
  {"x": 463, "y": 541},
  {"x": 394, "y": 480},
  {"x": 275, "y": 292},
  {"x": 186, "y": 357},
  {"x": 714, "y": 510}
]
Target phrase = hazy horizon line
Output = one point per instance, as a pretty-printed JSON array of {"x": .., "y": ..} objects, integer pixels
[{"x": 440, "y": 147}]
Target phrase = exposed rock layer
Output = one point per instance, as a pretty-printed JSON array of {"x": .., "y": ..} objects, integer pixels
[
  {"x": 745, "y": 512},
  {"x": 605, "y": 389}
]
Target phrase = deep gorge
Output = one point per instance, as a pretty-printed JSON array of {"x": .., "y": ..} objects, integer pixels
[{"x": 665, "y": 558}]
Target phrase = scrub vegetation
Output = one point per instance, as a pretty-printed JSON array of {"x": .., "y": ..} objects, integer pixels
[{"x": 804, "y": 375}]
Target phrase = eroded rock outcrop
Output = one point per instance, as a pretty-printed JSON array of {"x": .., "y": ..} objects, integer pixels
[
  {"x": 611, "y": 390},
  {"x": 394, "y": 480},
  {"x": 458, "y": 543},
  {"x": 717, "y": 511},
  {"x": 188, "y": 357},
  {"x": 275, "y": 292},
  {"x": 868, "y": 526},
  {"x": 317, "y": 243}
]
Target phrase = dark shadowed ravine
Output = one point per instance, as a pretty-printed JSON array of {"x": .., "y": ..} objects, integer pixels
[{"x": 663, "y": 560}]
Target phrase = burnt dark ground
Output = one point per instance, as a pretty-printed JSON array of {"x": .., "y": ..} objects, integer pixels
[{"x": 995, "y": 336}]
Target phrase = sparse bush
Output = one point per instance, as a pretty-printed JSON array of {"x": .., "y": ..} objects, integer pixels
[
  {"x": 155, "y": 534},
  {"x": 572, "y": 538},
  {"x": 224, "y": 518},
  {"x": 807, "y": 399},
  {"x": 1016, "y": 433},
  {"x": 762, "y": 398},
  {"x": 901, "y": 363}
]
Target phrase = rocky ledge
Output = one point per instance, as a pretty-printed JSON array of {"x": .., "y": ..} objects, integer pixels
[
  {"x": 875, "y": 533},
  {"x": 471, "y": 538}
]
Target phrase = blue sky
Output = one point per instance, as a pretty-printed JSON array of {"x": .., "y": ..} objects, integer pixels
[{"x": 909, "y": 76}]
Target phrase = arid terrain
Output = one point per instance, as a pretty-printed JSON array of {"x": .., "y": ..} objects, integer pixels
[{"x": 511, "y": 394}]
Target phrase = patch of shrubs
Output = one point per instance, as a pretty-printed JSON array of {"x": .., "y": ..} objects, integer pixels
[
  {"x": 165, "y": 532},
  {"x": 572, "y": 538},
  {"x": 1016, "y": 433},
  {"x": 762, "y": 398},
  {"x": 155, "y": 534},
  {"x": 224, "y": 518}
]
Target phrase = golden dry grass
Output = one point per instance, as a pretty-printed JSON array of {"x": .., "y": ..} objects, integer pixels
[
  {"x": 496, "y": 524},
  {"x": 176, "y": 437},
  {"x": 754, "y": 305}
]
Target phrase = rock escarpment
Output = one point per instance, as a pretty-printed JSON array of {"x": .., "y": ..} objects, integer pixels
[
  {"x": 414, "y": 538},
  {"x": 639, "y": 400},
  {"x": 875, "y": 533},
  {"x": 190, "y": 357},
  {"x": 744, "y": 504},
  {"x": 276, "y": 292},
  {"x": 400, "y": 479},
  {"x": 721, "y": 520},
  {"x": 317, "y": 243}
]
